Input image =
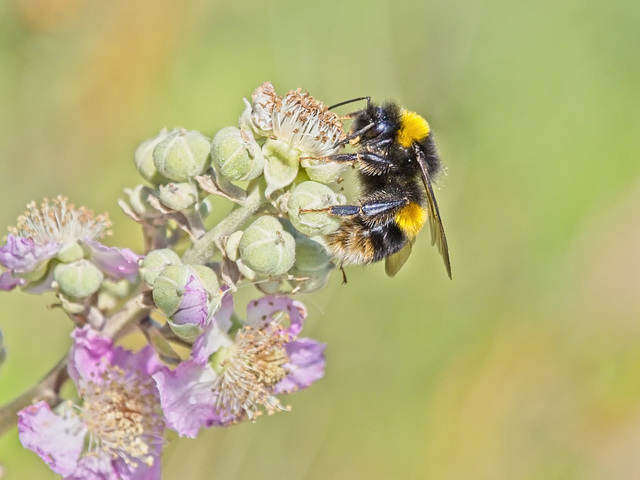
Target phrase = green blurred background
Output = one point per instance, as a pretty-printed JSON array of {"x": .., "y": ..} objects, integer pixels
[{"x": 525, "y": 366}]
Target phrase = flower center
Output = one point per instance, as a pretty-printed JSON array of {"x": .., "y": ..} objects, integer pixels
[
  {"x": 254, "y": 364},
  {"x": 306, "y": 124},
  {"x": 60, "y": 222},
  {"x": 122, "y": 413}
]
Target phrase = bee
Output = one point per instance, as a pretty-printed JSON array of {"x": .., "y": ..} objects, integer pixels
[{"x": 397, "y": 161}]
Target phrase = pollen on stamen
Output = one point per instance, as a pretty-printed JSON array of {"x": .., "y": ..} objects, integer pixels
[
  {"x": 306, "y": 124},
  {"x": 60, "y": 222},
  {"x": 252, "y": 367},
  {"x": 123, "y": 416}
]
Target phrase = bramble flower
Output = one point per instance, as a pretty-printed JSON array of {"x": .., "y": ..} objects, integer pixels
[
  {"x": 57, "y": 229},
  {"x": 120, "y": 417},
  {"x": 306, "y": 124},
  {"x": 297, "y": 126},
  {"x": 229, "y": 380}
]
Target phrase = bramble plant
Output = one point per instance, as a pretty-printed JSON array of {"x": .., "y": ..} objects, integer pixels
[{"x": 180, "y": 291}]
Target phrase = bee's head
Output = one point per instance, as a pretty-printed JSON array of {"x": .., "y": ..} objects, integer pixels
[{"x": 383, "y": 121}]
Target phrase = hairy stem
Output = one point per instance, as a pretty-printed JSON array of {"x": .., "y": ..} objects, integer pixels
[{"x": 204, "y": 248}]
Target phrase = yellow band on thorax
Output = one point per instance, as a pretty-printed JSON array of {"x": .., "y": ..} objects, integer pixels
[{"x": 413, "y": 128}]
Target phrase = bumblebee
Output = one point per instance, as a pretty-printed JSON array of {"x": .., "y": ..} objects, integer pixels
[{"x": 397, "y": 160}]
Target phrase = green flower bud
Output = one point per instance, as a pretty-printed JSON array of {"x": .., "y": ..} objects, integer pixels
[
  {"x": 178, "y": 196},
  {"x": 266, "y": 248},
  {"x": 70, "y": 252},
  {"x": 155, "y": 262},
  {"x": 282, "y": 164},
  {"x": 313, "y": 196},
  {"x": 269, "y": 287},
  {"x": 143, "y": 158},
  {"x": 77, "y": 279},
  {"x": 139, "y": 201},
  {"x": 312, "y": 266},
  {"x": 232, "y": 245},
  {"x": 182, "y": 155},
  {"x": 311, "y": 257},
  {"x": 323, "y": 172},
  {"x": 236, "y": 155}
]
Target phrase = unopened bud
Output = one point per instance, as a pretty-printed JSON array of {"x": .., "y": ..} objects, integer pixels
[
  {"x": 321, "y": 171},
  {"x": 143, "y": 158},
  {"x": 182, "y": 155},
  {"x": 139, "y": 201},
  {"x": 178, "y": 196},
  {"x": 155, "y": 262},
  {"x": 314, "y": 196},
  {"x": 236, "y": 155},
  {"x": 77, "y": 279},
  {"x": 312, "y": 266},
  {"x": 189, "y": 294},
  {"x": 266, "y": 248}
]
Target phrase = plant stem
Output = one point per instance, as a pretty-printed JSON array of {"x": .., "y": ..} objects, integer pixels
[
  {"x": 46, "y": 389},
  {"x": 204, "y": 248}
]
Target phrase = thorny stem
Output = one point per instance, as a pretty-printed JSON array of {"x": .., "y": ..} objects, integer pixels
[
  {"x": 204, "y": 248},
  {"x": 48, "y": 388}
]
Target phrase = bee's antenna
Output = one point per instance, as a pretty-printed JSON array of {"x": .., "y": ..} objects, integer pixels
[{"x": 368, "y": 99}]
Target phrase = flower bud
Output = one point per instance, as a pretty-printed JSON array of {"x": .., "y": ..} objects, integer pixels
[
  {"x": 155, "y": 262},
  {"x": 312, "y": 196},
  {"x": 266, "y": 248},
  {"x": 282, "y": 164},
  {"x": 77, "y": 279},
  {"x": 312, "y": 266},
  {"x": 139, "y": 201},
  {"x": 189, "y": 294},
  {"x": 269, "y": 287},
  {"x": 236, "y": 155},
  {"x": 323, "y": 172},
  {"x": 178, "y": 196},
  {"x": 143, "y": 158},
  {"x": 311, "y": 257},
  {"x": 182, "y": 155}
]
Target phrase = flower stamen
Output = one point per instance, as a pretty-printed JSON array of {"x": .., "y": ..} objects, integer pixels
[
  {"x": 123, "y": 416},
  {"x": 253, "y": 366},
  {"x": 60, "y": 222},
  {"x": 306, "y": 124}
]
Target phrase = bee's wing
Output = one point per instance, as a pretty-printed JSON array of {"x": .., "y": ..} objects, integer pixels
[
  {"x": 438, "y": 236},
  {"x": 394, "y": 262}
]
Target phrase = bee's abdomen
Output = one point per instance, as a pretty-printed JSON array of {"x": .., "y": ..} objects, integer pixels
[{"x": 354, "y": 243}]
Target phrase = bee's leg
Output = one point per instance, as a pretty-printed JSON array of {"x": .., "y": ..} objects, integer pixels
[
  {"x": 338, "y": 158},
  {"x": 383, "y": 208},
  {"x": 369, "y": 162},
  {"x": 344, "y": 275}
]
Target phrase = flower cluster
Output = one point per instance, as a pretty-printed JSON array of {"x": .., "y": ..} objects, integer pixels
[{"x": 180, "y": 292}]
